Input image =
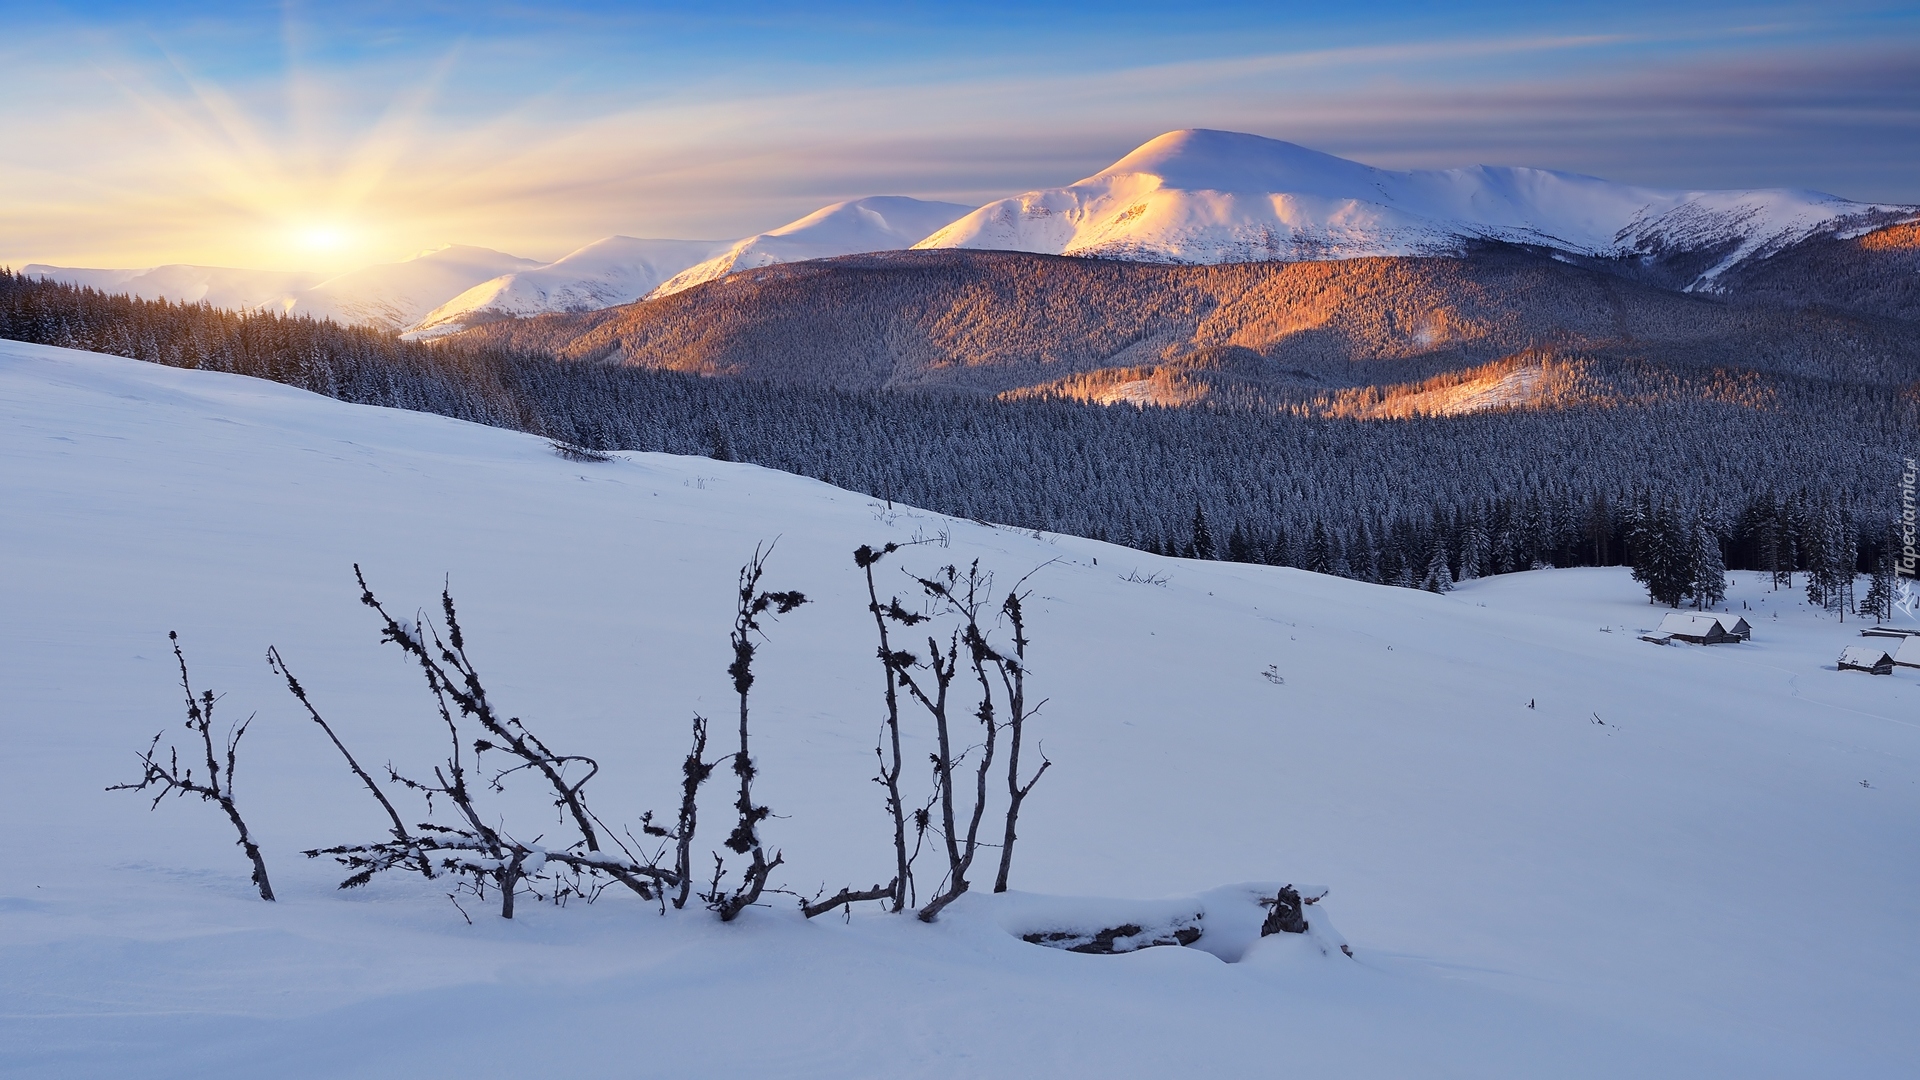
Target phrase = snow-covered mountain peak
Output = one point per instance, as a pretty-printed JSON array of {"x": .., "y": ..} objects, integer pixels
[
  {"x": 1190, "y": 196},
  {"x": 1204, "y": 159},
  {"x": 394, "y": 296},
  {"x": 880, "y": 215},
  {"x": 1202, "y": 196},
  {"x": 875, "y": 223},
  {"x": 613, "y": 270},
  {"x": 622, "y": 269}
]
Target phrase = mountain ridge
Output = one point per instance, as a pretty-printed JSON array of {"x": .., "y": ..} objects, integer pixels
[
  {"x": 1188, "y": 197},
  {"x": 1000, "y": 322},
  {"x": 1203, "y": 196},
  {"x": 608, "y": 272},
  {"x": 875, "y": 223},
  {"x": 620, "y": 270}
]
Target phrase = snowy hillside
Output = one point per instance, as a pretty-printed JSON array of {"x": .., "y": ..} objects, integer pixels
[
  {"x": 221, "y": 286},
  {"x": 1555, "y": 849},
  {"x": 879, "y": 223},
  {"x": 1201, "y": 196},
  {"x": 616, "y": 270}
]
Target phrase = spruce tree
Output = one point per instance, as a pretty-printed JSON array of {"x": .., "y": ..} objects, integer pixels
[
  {"x": 1439, "y": 578},
  {"x": 1319, "y": 550},
  {"x": 1202, "y": 544},
  {"x": 1663, "y": 553},
  {"x": 1709, "y": 585},
  {"x": 1473, "y": 546},
  {"x": 1878, "y": 603},
  {"x": 1239, "y": 548}
]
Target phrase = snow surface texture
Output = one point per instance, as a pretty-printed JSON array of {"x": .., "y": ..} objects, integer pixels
[
  {"x": 1678, "y": 862},
  {"x": 880, "y": 223},
  {"x": 1200, "y": 196}
]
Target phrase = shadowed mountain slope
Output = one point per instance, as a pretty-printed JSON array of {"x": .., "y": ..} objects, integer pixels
[{"x": 997, "y": 322}]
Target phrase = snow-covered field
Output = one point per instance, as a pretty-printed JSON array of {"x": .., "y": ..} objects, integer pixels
[{"x": 1556, "y": 850}]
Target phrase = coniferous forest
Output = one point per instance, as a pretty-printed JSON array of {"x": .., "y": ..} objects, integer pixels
[{"x": 1681, "y": 486}]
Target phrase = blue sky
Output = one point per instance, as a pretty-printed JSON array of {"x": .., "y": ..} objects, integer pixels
[{"x": 143, "y": 133}]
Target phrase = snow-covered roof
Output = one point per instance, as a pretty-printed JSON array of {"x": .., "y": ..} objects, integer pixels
[
  {"x": 1733, "y": 624},
  {"x": 1909, "y": 652},
  {"x": 1864, "y": 655},
  {"x": 1689, "y": 623}
]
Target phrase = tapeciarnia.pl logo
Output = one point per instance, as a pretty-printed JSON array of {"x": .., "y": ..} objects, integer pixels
[{"x": 1906, "y": 597}]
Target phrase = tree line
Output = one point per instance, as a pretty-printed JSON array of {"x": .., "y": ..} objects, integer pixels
[{"x": 1416, "y": 501}]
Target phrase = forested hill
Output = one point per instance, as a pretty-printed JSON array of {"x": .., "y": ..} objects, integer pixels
[
  {"x": 1791, "y": 472},
  {"x": 1001, "y": 322}
]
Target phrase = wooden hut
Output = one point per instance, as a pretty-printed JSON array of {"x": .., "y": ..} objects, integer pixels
[
  {"x": 1735, "y": 625},
  {"x": 1700, "y": 628},
  {"x": 1872, "y": 659}
]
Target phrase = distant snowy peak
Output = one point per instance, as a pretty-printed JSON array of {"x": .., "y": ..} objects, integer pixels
[
  {"x": 877, "y": 223},
  {"x": 622, "y": 269},
  {"x": 390, "y": 296},
  {"x": 1200, "y": 196},
  {"x": 220, "y": 286},
  {"x": 616, "y": 270},
  {"x": 394, "y": 296},
  {"x": 451, "y": 288}
]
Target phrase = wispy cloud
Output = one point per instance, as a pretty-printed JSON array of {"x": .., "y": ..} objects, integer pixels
[{"x": 133, "y": 151}]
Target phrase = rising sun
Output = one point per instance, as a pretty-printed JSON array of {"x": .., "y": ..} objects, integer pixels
[{"x": 322, "y": 237}]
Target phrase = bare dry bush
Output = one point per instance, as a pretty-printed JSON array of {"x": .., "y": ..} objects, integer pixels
[{"x": 215, "y": 785}]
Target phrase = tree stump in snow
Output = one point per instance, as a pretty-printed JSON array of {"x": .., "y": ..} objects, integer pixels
[{"x": 1288, "y": 915}]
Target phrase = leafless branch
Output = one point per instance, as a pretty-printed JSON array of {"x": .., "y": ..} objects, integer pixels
[
  {"x": 751, "y": 605},
  {"x": 171, "y": 779},
  {"x": 847, "y": 896}
]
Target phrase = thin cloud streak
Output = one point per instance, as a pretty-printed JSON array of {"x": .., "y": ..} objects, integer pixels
[{"x": 215, "y": 173}]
